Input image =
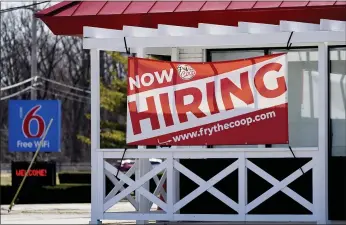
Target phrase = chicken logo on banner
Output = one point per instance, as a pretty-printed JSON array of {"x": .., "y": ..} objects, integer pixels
[{"x": 186, "y": 72}]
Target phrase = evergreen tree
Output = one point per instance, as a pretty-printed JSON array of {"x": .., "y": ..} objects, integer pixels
[{"x": 113, "y": 108}]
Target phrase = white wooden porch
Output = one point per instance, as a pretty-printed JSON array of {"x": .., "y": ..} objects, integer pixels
[{"x": 144, "y": 41}]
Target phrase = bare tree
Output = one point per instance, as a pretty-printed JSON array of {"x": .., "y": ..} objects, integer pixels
[{"x": 60, "y": 59}]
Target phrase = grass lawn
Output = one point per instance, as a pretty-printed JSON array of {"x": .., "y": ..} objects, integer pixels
[{"x": 5, "y": 179}]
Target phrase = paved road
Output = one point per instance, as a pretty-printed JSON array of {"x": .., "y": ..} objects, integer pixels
[
  {"x": 74, "y": 214},
  {"x": 56, "y": 213}
]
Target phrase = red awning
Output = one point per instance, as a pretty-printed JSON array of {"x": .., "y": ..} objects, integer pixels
[{"x": 69, "y": 17}]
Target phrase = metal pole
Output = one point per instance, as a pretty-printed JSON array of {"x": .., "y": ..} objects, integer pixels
[
  {"x": 33, "y": 51},
  {"x": 33, "y": 92},
  {"x": 31, "y": 163}
]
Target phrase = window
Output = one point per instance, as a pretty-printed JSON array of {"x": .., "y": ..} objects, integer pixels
[
  {"x": 337, "y": 82},
  {"x": 224, "y": 55},
  {"x": 302, "y": 85}
]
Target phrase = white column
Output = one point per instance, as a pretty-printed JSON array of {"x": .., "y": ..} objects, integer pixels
[
  {"x": 321, "y": 189},
  {"x": 97, "y": 185},
  {"x": 176, "y": 174},
  {"x": 242, "y": 186},
  {"x": 171, "y": 187},
  {"x": 143, "y": 167}
]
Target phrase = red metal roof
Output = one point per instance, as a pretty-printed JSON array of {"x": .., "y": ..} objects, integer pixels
[{"x": 69, "y": 17}]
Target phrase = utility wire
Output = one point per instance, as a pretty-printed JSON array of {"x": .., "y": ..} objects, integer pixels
[
  {"x": 15, "y": 94},
  {"x": 22, "y": 7},
  {"x": 64, "y": 96},
  {"x": 42, "y": 89},
  {"x": 45, "y": 79},
  {"x": 46, "y": 4},
  {"x": 65, "y": 85},
  {"x": 19, "y": 92},
  {"x": 70, "y": 93},
  {"x": 16, "y": 85}
]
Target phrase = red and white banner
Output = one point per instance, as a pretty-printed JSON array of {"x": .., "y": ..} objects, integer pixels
[{"x": 220, "y": 103}]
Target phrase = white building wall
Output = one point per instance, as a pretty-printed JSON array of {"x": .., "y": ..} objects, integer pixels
[{"x": 191, "y": 55}]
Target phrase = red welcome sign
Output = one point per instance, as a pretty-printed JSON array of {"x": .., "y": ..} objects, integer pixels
[{"x": 220, "y": 103}]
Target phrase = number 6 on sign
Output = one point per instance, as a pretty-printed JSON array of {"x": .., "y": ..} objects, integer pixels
[
  {"x": 32, "y": 116},
  {"x": 27, "y": 124}
]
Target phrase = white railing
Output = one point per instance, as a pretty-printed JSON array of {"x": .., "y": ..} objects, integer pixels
[{"x": 170, "y": 204}]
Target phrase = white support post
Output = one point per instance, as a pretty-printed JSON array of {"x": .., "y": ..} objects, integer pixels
[
  {"x": 170, "y": 187},
  {"x": 175, "y": 54},
  {"x": 137, "y": 177},
  {"x": 321, "y": 176},
  {"x": 242, "y": 186},
  {"x": 176, "y": 177},
  {"x": 142, "y": 169},
  {"x": 97, "y": 185}
]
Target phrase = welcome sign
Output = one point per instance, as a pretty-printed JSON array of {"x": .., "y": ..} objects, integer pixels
[
  {"x": 40, "y": 174},
  {"x": 242, "y": 102}
]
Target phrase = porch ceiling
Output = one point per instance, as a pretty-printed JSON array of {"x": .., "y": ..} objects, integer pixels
[{"x": 217, "y": 36}]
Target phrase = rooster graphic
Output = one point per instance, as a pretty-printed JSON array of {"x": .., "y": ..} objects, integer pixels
[{"x": 186, "y": 72}]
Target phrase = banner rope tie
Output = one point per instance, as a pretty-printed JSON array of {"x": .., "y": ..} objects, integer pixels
[
  {"x": 128, "y": 52},
  {"x": 289, "y": 44},
  {"x": 121, "y": 161},
  {"x": 301, "y": 169}
]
